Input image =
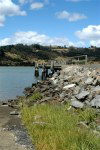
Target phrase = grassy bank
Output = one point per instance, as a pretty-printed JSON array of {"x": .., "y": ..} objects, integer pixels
[{"x": 52, "y": 127}]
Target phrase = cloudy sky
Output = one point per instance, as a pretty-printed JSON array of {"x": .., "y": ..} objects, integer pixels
[{"x": 50, "y": 22}]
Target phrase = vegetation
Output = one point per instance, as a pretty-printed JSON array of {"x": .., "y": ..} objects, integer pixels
[
  {"x": 33, "y": 98},
  {"x": 26, "y": 55},
  {"x": 52, "y": 127}
]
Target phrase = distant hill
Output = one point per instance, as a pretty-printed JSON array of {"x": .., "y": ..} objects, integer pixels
[{"x": 19, "y": 55}]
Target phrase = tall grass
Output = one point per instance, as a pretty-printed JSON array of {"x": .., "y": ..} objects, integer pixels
[{"x": 53, "y": 128}]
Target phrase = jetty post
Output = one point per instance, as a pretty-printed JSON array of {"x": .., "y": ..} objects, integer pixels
[
  {"x": 86, "y": 59},
  {"x": 52, "y": 67},
  {"x": 36, "y": 70}
]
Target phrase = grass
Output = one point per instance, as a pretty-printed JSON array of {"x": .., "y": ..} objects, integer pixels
[
  {"x": 33, "y": 98},
  {"x": 52, "y": 127}
]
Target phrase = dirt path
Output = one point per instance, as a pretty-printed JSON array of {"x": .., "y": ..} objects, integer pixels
[{"x": 12, "y": 134}]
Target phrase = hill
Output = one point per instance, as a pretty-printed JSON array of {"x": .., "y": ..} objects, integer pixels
[{"x": 24, "y": 55}]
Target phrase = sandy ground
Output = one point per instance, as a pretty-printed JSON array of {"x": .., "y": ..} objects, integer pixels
[{"x": 12, "y": 134}]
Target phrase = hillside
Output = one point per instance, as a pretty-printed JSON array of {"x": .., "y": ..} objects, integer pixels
[{"x": 24, "y": 55}]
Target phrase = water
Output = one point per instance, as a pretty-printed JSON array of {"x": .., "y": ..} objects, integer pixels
[{"x": 13, "y": 80}]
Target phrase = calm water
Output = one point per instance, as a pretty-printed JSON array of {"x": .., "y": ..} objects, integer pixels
[{"x": 13, "y": 80}]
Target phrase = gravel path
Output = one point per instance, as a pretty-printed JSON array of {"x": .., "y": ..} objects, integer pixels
[{"x": 12, "y": 135}]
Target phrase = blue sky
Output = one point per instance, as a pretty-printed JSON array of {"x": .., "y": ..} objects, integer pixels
[{"x": 55, "y": 22}]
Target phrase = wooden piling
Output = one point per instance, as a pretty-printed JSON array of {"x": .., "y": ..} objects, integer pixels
[
  {"x": 52, "y": 67},
  {"x": 36, "y": 70}
]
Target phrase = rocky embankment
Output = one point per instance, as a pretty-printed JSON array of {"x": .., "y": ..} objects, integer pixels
[{"x": 78, "y": 85}]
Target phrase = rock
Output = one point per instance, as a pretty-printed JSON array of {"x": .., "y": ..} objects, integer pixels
[
  {"x": 54, "y": 81},
  {"x": 82, "y": 124},
  {"x": 62, "y": 95},
  {"x": 95, "y": 82},
  {"x": 68, "y": 78},
  {"x": 76, "y": 90},
  {"x": 77, "y": 104},
  {"x": 97, "y": 89},
  {"x": 82, "y": 95},
  {"x": 14, "y": 113},
  {"x": 98, "y": 80},
  {"x": 88, "y": 72},
  {"x": 98, "y": 128},
  {"x": 46, "y": 99},
  {"x": 89, "y": 81},
  {"x": 96, "y": 102},
  {"x": 4, "y": 103},
  {"x": 65, "y": 83},
  {"x": 70, "y": 86}
]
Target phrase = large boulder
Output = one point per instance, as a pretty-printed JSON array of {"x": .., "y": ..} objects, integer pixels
[
  {"x": 96, "y": 102},
  {"x": 77, "y": 104},
  {"x": 82, "y": 95},
  {"x": 97, "y": 89},
  {"x": 89, "y": 81},
  {"x": 70, "y": 86}
]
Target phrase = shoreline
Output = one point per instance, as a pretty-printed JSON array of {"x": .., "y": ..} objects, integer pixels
[{"x": 52, "y": 92}]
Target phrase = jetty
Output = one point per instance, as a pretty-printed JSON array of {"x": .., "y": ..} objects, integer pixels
[{"x": 55, "y": 65}]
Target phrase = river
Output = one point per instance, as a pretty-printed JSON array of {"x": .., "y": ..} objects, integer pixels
[{"x": 13, "y": 80}]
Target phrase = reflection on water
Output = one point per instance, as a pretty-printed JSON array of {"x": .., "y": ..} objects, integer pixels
[{"x": 13, "y": 80}]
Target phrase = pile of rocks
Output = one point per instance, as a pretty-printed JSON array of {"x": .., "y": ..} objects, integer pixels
[{"x": 79, "y": 85}]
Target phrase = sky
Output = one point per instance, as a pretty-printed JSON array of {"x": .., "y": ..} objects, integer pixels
[{"x": 50, "y": 22}]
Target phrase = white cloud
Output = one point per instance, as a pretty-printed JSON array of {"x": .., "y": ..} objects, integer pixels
[
  {"x": 37, "y": 5},
  {"x": 90, "y": 33},
  {"x": 70, "y": 16},
  {"x": 8, "y": 8},
  {"x": 31, "y": 37}
]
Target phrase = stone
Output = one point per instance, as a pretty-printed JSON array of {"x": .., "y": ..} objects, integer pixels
[
  {"x": 98, "y": 80},
  {"x": 67, "y": 78},
  {"x": 65, "y": 83},
  {"x": 62, "y": 95},
  {"x": 88, "y": 73},
  {"x": 76, "y": 90},
  {"x": 82, "y": 124},
  {"x": 14, "y": 113},
  {"x": 82, "y": 95},
  {"x": 98, "y": 128},
  {"x": 77, "y": 104},
  {"x": 97, "y": 89},
  {"x": 4, "y": 103},
  {"x": 96, "y": 102},
  {"x": 46, "y": 99},
  {"x": 95, "y": 82},
  {"x": 70, "y": 86},
  {"x": 89, "y": 81}
]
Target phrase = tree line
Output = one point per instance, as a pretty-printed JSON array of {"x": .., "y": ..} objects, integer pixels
[{"x": 49, "y": 52}]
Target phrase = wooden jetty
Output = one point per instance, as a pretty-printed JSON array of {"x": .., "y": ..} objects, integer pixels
[{"x": 55, "y": 66}]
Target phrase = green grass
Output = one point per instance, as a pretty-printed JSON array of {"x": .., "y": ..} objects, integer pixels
[
  {"x": 32, "y": 99},
  {"x": 35, "y": 97},
  {"x": 52, "y": 127}
]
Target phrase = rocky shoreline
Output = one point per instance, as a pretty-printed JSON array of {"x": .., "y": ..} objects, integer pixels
[{"x": 77, "y": 85}]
